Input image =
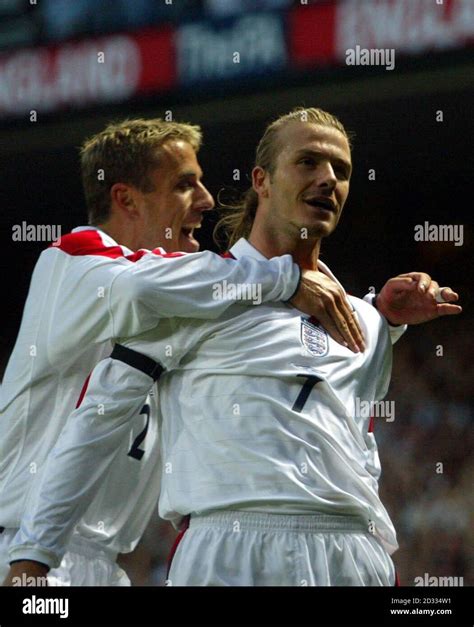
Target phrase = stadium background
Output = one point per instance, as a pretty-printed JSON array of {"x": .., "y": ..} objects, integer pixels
[{"x": 179, "y": 58}]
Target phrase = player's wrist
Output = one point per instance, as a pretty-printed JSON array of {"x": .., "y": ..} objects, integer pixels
[
  {"x": 379, "y": 304},
  {"x": 20, "y": 564}
]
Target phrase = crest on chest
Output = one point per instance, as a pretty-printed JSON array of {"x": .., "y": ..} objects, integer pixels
[{"x": 313, "y": 337}]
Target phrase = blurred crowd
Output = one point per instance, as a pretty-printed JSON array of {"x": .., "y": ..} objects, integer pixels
[
  {"x": 427, "y": 454},
  {"x": 427, "y": 464}
]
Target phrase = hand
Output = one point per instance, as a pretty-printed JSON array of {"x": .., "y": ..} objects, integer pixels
[
  {"x": 414, "y": 298},
  {"x": 27, "y": 573},
  {"x": 321, "y": 297}
]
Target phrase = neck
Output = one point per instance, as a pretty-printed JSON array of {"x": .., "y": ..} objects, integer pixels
[
  {"x": 273, "y": 243},
  {"x": 123, "y": 234}
]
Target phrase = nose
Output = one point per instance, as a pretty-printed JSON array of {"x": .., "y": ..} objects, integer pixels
[
  {"x": 325, "y": 175},
  {"x": 203, "y": 198}
]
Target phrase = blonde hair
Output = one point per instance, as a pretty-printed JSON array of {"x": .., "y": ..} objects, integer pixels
[
  {"x": 239, "y": 217},
  {"x": 126, "y": 152}
]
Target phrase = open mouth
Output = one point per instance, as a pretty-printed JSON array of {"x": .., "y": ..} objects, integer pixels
[
  {"x": 189, "y": 236},
  {"x": 321, "y": 203}
]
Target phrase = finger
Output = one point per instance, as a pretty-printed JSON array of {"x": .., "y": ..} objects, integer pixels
[
  {"x": 446, "y": 294},
  {"x": 448, "y": 310},
  {"x": 433, "y": 289},
  {"x": 332, "y": 329},
  {"x": 402, "y": 283},
  {"x": 351, "y": 319},
  {"x": 341, "y": 324},
  {"x": 423, "y": 280}
]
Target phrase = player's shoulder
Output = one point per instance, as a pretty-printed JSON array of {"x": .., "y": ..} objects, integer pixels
[{"x": 87, "y": 242}]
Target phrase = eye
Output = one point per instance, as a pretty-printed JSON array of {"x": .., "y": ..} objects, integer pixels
[
  {"x": 341, "y": 173},
  {"x": 308, "y": 161},
  {"x": 185, "y": 185}
]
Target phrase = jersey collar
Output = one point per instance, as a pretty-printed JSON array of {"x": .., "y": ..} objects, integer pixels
[
  {"x": 243, "y": 248},
  {"x": 106, "y": 239}
]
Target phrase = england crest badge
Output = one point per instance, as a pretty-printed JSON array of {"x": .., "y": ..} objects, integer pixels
[{"x": 313, "y": 337}]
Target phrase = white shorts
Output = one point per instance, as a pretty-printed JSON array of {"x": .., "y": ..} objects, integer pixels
[
  {"x": 85, "y": 564},
  {"x": 235, "y": 548}
]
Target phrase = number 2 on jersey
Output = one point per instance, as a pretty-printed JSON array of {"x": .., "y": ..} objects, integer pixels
[
  {"x": 135, "y": 451},
  {"x": 308, "y": 385}
]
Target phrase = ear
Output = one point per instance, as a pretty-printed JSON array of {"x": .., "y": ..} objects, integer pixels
[
  {"x": 260, "y": 181},
  {"x": 123, "y": 198}
]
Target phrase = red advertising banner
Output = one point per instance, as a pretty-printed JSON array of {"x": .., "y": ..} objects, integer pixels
[
  {"x": 327, "y": 32},
  {"x": 158, "y": 59},
  {"x": 407, "y": 26},
  {"x": 312, "y": 34},
  {"x": 93, "y": 71}
]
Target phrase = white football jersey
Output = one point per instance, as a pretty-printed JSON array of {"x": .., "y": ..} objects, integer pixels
[
  {"x": 85, "y": 291},
  {"x": 259, "y": 413},
  {"x": 263, "y": 413}
]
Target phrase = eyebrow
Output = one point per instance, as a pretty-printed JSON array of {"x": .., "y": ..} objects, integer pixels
[
  {"x": 189, "y": 174},
  {"x": 309, "y": 152}
]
